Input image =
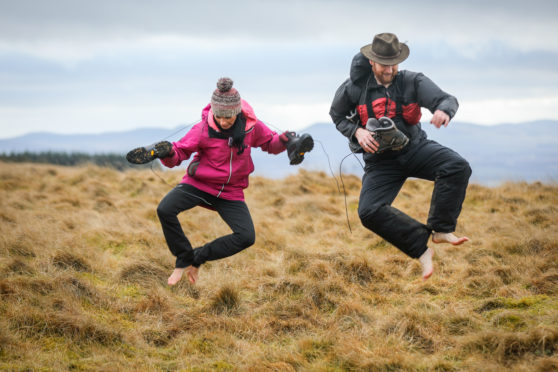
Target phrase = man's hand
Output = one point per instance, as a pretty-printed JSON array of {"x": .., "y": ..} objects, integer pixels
[
  {"x": 366, "y": 140},
  {"x": 440, "y": 118}
]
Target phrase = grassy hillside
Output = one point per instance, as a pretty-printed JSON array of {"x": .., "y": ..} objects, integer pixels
[{"x": 83, "y": 268}]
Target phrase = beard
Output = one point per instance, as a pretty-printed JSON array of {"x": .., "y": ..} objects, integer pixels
[{"x": 385, "y": 77}]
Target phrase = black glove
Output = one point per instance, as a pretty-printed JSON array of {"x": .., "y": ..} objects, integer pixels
[
  {"x": 385, "y": 133},
  {"x": 142, "y": 155},
  {"x": 297, "y": 146}
]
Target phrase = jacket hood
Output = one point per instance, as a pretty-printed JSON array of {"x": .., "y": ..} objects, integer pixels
[
  {"x": 247, "y": 110},
  {"x": 360, "y": 69}
]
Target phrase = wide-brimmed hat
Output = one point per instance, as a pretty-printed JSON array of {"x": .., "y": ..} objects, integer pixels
[{"x": 386, "y": 50}]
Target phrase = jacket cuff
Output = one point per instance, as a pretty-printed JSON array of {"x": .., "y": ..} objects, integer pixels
[{"x": 352, "y": 137}]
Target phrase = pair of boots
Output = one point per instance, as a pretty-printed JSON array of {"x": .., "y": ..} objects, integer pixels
[
  {"x": 297, "y": 146},
  {"x": 385, "y": 133}
]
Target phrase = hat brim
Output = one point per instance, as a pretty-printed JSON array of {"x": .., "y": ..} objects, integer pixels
[{"x": 403, "y": 54}]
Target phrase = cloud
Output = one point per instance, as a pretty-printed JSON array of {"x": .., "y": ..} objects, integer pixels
[
  {"x": 498, "y": 111},
  {"x": 74, "y": 66},
  {"x": 78, "y": 29}
]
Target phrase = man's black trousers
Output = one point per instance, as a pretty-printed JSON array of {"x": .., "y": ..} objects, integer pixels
[
  {"x": 234, "y": 212},
  {"x": 383, "y": 179}
]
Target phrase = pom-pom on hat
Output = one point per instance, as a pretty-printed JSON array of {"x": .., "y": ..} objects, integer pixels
[{"x": 225, "y": 101}]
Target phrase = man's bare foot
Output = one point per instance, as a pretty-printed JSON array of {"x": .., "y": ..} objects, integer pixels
[
  {"x": 438, "y": 238},
  {"x": 426, "y": 262},
  {"x": 192, "y": 274},
  {"x": 176, "y": 276}
]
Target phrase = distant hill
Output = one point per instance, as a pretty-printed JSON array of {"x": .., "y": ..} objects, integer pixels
[{"x": 516, "y": 152}]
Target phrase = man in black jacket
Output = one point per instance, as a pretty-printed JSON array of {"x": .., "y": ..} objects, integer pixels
[{"x": 375, "y": 89}]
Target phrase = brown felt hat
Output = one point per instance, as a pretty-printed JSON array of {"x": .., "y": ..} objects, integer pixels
[{"x": 386, "y": 50}]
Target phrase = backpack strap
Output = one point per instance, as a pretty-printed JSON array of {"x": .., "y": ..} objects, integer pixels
[
  {"x": 399, "y": 96},
  {"x": 367, "y": 101}
]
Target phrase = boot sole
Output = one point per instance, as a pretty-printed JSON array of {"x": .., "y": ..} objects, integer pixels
[
  {"x": 143, "y": 155},
  {"x": 140, "y": 155}
]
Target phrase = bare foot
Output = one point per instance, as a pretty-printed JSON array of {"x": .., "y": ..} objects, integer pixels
[
  {"x": 426, "y": 262},
  {"x": 176, "y": 276},
  {"x": 448, "y": 238},
  {"x": 192, "y": 274}
]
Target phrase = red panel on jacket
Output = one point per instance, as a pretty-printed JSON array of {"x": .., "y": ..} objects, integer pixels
[{"x": 411, "y": 112}]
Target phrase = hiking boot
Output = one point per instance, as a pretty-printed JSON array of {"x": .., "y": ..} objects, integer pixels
[
  {"x": 143, "y": 155},
  {"x": 297, "y": 146},
  {"x": 386, "y": 134}
]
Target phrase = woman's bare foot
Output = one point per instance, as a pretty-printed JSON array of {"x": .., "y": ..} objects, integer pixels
[
  {"x": 192, "y": 274},
  {"x": 426, "y": 262},
  {"x": 176, "y": 276},
  {"x": 438, "y": 238}
]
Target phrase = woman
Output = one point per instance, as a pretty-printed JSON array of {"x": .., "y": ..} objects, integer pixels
[{"x": 217, "y": 175}]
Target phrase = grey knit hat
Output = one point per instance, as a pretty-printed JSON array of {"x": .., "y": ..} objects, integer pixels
[{"x": 225, "y": 101}]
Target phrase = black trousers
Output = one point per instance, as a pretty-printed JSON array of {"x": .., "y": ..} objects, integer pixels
[
  {"x": 383, "y": 180},
  {"x": 234, "y": 212}
]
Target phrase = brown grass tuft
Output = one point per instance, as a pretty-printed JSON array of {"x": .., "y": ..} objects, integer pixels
[
  {"x": 157, "y": 338},
  {"x": 78, "y": 289},
  {"x": 19, "y": 267},
  {"x": 460, "y": 324},
  {"x": 66, "y": 260},
  {"x": 508, "y": 347},
  {"x": 21, "y": 247},
  {"x": 226, "y": 300},
  {"x": 359, "y": 271},
  {"x": 414, "y": 329},
  {"x": 546, "y": 283},
  {"x": 74, "y": 326},
  {"x": 155, "y": 302},
  {"x": 143, "y": 273},
  {"x": 547, "y": 365}
]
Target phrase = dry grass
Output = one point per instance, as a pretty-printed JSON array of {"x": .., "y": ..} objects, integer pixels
[{"x": 83, "y": 268}]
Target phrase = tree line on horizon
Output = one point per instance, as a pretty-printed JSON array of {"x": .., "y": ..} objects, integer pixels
[{"x": 114, "y": 161}]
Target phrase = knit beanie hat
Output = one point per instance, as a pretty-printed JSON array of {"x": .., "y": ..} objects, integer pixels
[{"x": 225, "y": 101}]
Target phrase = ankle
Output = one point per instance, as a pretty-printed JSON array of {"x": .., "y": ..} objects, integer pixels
[{"x": 426, "y": 262}]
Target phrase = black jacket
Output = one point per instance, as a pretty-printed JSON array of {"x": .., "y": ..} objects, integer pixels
[{"x": 401, "y": 101}]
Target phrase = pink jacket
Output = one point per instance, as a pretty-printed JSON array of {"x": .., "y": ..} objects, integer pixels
[{"x": 221, "y": 171}]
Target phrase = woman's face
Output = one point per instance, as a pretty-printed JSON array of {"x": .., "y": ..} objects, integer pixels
[{"x": 225, "y": 122}]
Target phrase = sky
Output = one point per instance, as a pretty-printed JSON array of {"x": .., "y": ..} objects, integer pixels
[{"x": 76, "y": 66}]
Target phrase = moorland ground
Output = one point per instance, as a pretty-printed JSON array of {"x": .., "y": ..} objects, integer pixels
[{"x": 83, "y": 268}]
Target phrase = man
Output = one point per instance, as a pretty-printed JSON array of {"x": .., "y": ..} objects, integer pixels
[{"x": 375, "y": 90}]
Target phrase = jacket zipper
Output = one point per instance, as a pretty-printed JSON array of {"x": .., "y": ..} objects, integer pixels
[
  {"x": 230, "y": 174},
  {"x": 387, "y": 102}
]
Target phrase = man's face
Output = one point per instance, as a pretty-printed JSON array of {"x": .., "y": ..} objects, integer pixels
[{"x": 384, "y": 74}]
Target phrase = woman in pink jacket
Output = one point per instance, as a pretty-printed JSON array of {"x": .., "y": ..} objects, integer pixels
[{"x": 217, "y": 175}]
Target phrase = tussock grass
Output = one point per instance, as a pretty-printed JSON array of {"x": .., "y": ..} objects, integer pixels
[
  {"x": 83, "y": 269},
  {"x": 143, "y": 273},
  {"x": 226, "y": 300},
  {"x": 65, "y": 260}
]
